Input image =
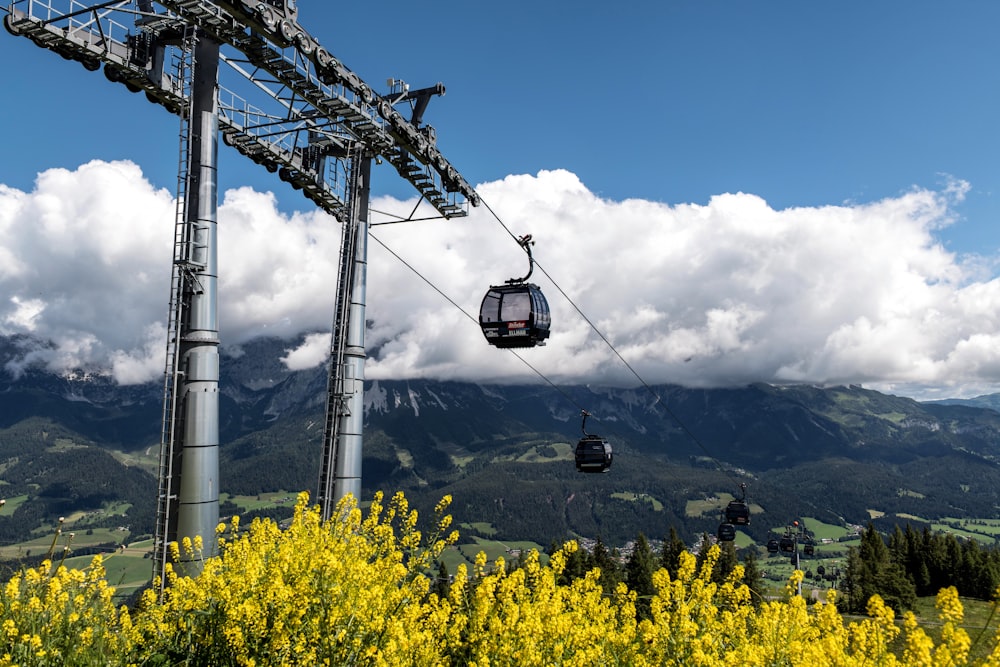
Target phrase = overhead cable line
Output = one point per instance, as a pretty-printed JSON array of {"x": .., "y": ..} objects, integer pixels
[
  {"x": 471, "y": 317},
  {"x": 635, "y": 373},
  {"x": 658, "y": 399}
]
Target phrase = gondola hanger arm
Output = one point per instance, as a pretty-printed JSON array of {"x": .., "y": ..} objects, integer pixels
[
  {"x": 525, "y": 242},
  {"x": 583, "y": 426}
]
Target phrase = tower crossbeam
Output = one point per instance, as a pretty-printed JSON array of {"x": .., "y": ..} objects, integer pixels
[
  {"x": 246, "y": 71},
  {"x": 306, "y": 82}
]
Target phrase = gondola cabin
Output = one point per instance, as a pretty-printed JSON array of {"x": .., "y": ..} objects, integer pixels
[
  {"x": 515, "y": 315},
  {"x": 772, "y": 546},
  {"x": 809, "y": 549},
  {"x": 738, "y": 513},
  {"x": 787, "y": 544},
  {"x": 593, "y": 454},
  {"x": 727, "y": 532}
]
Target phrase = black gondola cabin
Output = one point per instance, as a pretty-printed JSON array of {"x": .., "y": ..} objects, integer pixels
[
  {"x": 515, "y": 315},
  {"x": 738, "y": 513},
  {"x": 593, "y": 454},
  {"x": 727, "y": 532}
]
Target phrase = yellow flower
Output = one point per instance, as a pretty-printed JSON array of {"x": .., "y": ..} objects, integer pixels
[
  {"x": 356, "y": 589},
  {"x": 949, "y": 606}
]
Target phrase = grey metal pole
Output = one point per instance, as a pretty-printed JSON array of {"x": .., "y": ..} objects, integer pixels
[
  {"x": 198, "y": 483},
  {"x": 349, "y": 438},
  {"x": 798, "y": 564}
]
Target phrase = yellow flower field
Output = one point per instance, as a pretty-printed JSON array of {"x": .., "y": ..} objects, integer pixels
[{"x": 357, "y": 591}]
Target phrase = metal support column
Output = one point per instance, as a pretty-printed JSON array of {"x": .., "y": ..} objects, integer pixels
[
  {"x": 340, "y": 467},
  {"x": 196, "y": 427},
  {"x": 352, "y": 421}
]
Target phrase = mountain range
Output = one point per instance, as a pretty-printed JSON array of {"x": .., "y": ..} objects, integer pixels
[{"x": 79, "y": 442}]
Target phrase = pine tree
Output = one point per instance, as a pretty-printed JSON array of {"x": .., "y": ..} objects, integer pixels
[
  {"x": 991, "y": 574},
  {"x": 916, "y": 561},
  {"x": 576, "y": 567},
  {"x": 752, "y": 578},
  {"x": 976, "y": 577},
  {"x": 639, "y": 574},
  {"x": 610, "y": 569},
  {"x": 670, "y": 553},
  {"x": 870, "y": 571},
  {"x": 726, "y": 563},
  {"x": 953, "y": 561},
  {"x": 442, "y": 582},
  {"x": 703, "y": 546}
]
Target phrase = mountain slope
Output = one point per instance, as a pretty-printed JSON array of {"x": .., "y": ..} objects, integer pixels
[{"x": 504, "y": 452}]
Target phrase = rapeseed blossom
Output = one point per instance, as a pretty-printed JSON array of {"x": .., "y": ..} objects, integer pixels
[
  {"x": 356, "y": 590},
  {"x": 351, "y": 590},
  {"x": 54, "y": 615}
]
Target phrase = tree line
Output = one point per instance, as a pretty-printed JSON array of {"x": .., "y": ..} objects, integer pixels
[
  {"x": 636, "y": 570},
  {"x": 911, "y": 563},
  {"x": 916, "y": 563}
]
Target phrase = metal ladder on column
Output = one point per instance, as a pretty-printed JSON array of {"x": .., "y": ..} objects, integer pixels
[
  {"x": 335, "y": 399},
  {"x": 181, "y": 282}
]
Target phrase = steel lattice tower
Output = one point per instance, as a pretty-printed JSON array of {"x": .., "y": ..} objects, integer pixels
[{"x": 247, "y": 72}]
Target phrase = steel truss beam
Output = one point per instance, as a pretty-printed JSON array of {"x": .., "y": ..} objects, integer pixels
[
  {"x": 303, "y": 115},
  {"x": 306, "y": 105}
]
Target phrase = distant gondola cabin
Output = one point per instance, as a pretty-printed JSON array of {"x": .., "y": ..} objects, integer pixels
[
  {"x": 515, "y": 315},
  {"x": 727, "y": 532},
  {"x": 593, "y": 454},
  {"x": 738, "y": 513}
]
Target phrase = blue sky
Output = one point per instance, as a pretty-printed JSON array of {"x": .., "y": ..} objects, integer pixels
[
  {"x": 803, "y": 104},
  {"x": 821, "y": 105}
]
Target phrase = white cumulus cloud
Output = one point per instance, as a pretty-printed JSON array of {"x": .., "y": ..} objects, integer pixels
[{"x": 715, "y": 294}]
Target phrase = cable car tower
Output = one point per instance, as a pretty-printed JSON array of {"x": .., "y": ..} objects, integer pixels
[{"x": 247, "y": 71}]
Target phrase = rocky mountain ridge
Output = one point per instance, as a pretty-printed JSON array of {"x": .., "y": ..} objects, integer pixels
[{"x": 503, "y": 451}]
